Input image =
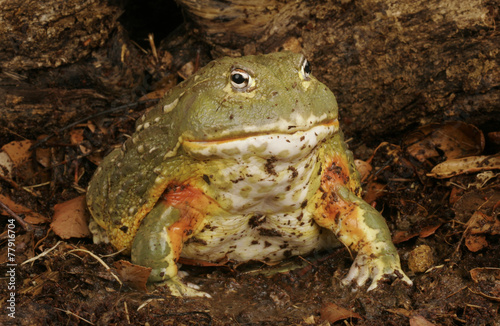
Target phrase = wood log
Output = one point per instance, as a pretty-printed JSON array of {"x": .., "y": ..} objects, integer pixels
[
  {"x": 42, "y": 34},
  {"x": 61, "y": 61},
  {"x": 392, "y": 64}
]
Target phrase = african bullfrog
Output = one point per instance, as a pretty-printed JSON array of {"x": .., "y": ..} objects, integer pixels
[{"x": 243, "y": 161}]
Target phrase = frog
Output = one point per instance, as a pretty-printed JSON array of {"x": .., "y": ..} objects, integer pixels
[{"x": 243, "y": 161}]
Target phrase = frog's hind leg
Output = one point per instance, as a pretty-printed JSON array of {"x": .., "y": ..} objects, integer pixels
[{"x": 155, "y": 247}]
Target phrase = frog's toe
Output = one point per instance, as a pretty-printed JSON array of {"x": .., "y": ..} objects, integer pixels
[
  {"x": 377, "y": 269},
  {"x": 358, "y": 273},
  {"x": 180, "y": 289}
]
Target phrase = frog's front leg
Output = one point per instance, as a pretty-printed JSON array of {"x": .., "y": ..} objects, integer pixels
[
  {"x": 158, "y": 244},
  {"x": 362, "y": 229}
]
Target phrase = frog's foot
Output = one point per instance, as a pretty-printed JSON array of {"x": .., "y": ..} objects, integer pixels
[
  {"x": 179, "y": 289},
  {"x": 377, "y": 269}
]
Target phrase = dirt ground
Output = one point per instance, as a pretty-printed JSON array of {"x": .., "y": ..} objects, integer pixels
[{"x": 446, "y": 231}]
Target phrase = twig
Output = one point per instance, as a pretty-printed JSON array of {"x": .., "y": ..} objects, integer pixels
[
  {"x": 40, "y": 255},
  {"x": 126, "y": 312},
  {"x": 73, "y": 314},
  {"x": 26, "y": 226}
]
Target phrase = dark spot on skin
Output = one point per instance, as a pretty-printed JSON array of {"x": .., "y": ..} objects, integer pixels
[
  {"x": 206, "y": 179},
  {"x": 295, "y": 173},
  {"x": 291, "y": 127},
  {"x": 196, "y": 240},
  {"x": 124, "y": 229},
  {"x": 333, "y": 197},
  {"x": 299, "y": 218},
  {"x": 210, "y": 227},
  {"x": 320, "y": 170},
  {"x": 287, "y": 253},
  {"x": 337, "y": 218},
  {"x": 288, "y": 188},
  {"x": 254, "y": 242},
  {"x": 304, "y": 204},
  {"x": 256, "y": 220},
  {"x": 302, "y": 138},
  {"x": 238, "y": 180},
  {"x": 269, "y": 233},
  {"x": 266, "y": 244},
  {"x": 270, "y": 165},
  {"x": 231, "y": 117},
  {"x": 283, "y": 246},
  {"x": 162, "y": 274}
]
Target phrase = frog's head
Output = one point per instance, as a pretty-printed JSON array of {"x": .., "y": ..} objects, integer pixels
[{"x": 238, "y": 98}]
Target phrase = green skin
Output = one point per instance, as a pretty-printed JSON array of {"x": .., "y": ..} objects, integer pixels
[{"x": 281, "y": 99}]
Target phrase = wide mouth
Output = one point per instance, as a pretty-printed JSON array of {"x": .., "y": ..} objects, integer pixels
[{"x": 280, "y": 145}]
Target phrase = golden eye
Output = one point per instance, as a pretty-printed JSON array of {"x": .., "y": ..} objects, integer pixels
[{"x": 241, "y": 80}]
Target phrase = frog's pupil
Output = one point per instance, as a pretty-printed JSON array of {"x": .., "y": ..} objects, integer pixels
[
  {"x": 238, "y": 78},
  {"x": 307, "y": 67}
]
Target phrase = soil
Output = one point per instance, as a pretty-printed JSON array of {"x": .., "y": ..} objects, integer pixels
[{"x": 65, "y": 287}]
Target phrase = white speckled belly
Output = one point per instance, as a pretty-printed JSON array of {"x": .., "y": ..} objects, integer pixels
[
  {"x": 258, "y": 237},
  {"x": 263, "y": 183}
]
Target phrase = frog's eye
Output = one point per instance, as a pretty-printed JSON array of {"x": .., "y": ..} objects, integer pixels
[
  {"x": 241, "y": 80},
  {"x": 305, "y": 70}
]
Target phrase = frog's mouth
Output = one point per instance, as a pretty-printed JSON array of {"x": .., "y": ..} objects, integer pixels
[{"x": 283, "y": 146}]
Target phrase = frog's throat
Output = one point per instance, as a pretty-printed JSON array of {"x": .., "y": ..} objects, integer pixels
[{"x": 279, "y": 145}]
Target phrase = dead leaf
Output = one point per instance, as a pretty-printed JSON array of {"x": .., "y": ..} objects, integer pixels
[
  {"x": 20, "y": 154},
  {"x": 454, "y": 167},
  {"x": 478, "y": 226},
  {"x": 71, "y": 219},
  {"x": 76, "y": 136},
  {"x": 455, "y": 139},
  {"x": 364, "y": 168},
  {"x": 374, "y": 190},
  {"x": 18, "y": 151},
  {"x": 6, "y": 165},
  {"x": 29, "y": 215},
  {"x": 476, "y": 242},
  {"x": 481, "y": 223},
  {"x": 402, "y": 236},
  {"x": 332, "y": 313},
  {"x": 418, "y": 320},
  {"x": 134, "y": 276}
]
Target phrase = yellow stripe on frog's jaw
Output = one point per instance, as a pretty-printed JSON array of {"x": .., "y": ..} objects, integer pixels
[{"x": 283, "y": 146}]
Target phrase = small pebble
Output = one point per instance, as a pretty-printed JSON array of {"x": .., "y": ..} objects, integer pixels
[{"x": 421, "y": 259}]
